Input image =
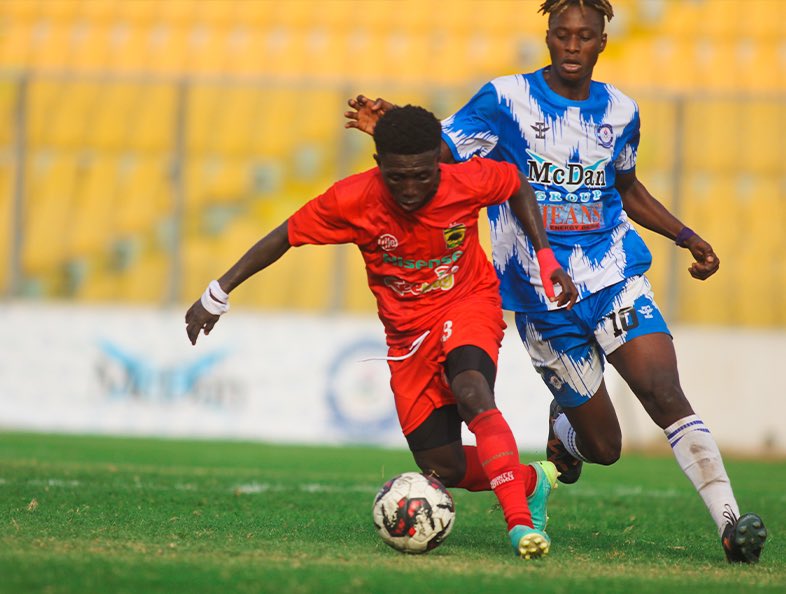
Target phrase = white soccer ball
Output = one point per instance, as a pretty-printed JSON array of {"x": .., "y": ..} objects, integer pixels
[{"x": 413, "y": 513}]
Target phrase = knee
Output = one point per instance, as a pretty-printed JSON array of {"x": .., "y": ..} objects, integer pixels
[
  {"x": 608, "y": 455},
  {"x": 605, "y": 452},
  {"x": 472, "y": 393},
  {"x": 662, "y": 396}
]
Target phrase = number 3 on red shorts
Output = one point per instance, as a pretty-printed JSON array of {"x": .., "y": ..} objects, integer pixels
[{"x": 447, "y": 330}]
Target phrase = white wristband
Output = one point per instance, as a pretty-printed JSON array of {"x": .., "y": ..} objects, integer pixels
[{"x": 214, "y": 300}]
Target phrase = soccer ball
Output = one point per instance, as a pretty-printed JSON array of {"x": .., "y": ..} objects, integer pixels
[{"x": 413, "y": 513}]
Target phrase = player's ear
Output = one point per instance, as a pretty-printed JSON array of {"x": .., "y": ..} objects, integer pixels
[{"x": 602, "y": 42}]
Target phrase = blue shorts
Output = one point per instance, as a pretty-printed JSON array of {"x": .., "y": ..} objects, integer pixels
[{"x": 568, "y": 348}]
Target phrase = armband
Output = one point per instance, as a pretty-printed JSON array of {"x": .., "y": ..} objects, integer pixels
[
  {"x": 214, "y": 300},
  {"x": 548, "y": 264},
  {"x": 683, "y": 236}
]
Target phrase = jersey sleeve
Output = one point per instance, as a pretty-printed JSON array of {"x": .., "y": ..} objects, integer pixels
[
  {"x": 471, "y": 131},
  {"x": 321, "y": 222},
  {"x": 494, "y": 181},
  {"x": 626, "y": 160}
]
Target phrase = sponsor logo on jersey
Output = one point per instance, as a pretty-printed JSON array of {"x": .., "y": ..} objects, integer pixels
[
  {"x": 572, "y": 217},
  {"x": 605, "y": 135},
  {"x": 571, "y": 176},
  {"x": 445, "y": 281},
  {"x": 387, "y": 242},
  {"x": 454, "y": 235},
  {"x": 540, "y": 130},
  {"x": 418, "y": 264}
]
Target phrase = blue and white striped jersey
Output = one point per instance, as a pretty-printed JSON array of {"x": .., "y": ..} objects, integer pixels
[{"x": 571, "y": 152}]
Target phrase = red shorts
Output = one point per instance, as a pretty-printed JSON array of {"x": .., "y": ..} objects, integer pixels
[{"x": 418, "y": 378}]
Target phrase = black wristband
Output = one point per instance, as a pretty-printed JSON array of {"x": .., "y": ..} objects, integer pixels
[{"x": 683, "y": 236}]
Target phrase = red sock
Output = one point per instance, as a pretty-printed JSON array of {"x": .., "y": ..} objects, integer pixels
[
  {"x": 475, "y": 478},
  {"x": 499, "y": 458}
]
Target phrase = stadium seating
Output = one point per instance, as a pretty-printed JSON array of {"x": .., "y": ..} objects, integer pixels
[{"x": 228, "y": 114}]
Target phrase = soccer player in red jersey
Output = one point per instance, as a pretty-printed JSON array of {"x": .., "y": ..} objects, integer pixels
[{"x": 415, "y": 222}]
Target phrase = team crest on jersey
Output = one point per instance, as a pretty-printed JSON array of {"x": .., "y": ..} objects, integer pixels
[
  {"x": 387, "y": 242},
  {"x": 605, "y": 134},
  {"x": 454, "y": 235}
]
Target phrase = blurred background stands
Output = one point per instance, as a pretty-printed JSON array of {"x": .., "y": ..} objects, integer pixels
[{"x": 151, "y": 142}]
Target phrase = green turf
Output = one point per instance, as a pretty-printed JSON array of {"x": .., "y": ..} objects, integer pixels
[{"x": 109, "y": 515}]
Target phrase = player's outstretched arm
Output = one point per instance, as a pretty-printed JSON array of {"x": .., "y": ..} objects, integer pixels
[
  {"x": 206, "y": 310},
  {"x": 525, "y": 206},
  {"x": 644, "y": 209}
]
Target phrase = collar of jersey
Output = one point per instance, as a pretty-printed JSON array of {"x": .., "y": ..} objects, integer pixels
[{"x": 556, "y": 98}]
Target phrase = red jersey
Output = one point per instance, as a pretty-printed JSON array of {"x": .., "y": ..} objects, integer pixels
[{"x": 417, "y": 263}]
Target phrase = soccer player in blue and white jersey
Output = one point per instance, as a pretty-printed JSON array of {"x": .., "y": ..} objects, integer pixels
[{"x": 577, "y": 140}]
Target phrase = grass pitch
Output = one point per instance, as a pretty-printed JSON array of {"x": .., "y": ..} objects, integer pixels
[{"x": 98, "y": 514}]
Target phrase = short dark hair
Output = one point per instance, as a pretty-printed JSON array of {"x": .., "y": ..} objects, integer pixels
[
  {"x": 554, "y": 7},
  {"x": 408, "y": 130}
]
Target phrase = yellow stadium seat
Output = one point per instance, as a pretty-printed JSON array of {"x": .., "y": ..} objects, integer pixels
[
  {"x": 20, "y": 10},
  {"x": 761, "y": 214},
  {"x": 763, "y": 20},
  {"x": 215, "y": 180},
  {"x": 711, "y": 134},
  {"x": 758, "y": 66},
  {"x": 166, "y": 49},
  {"x": 244, "y": 48},
  {"x": 110, "y": 123},
  {"x": 179, "y": 13},
  {"x": 47, "y": 211},
  {"x": 68, "y": 115},
  {"x": 140, "y": 12},
  {"x": 279, "y": 109},
  {"x": 291, "y": 15},
  {"x": 254, "y": 15},
  {"x": 204, "y": 103},
  {"x": 206, "y": 49},
  {"x": 15, "y": 46},
  {"x": 143, "y": 196},
  {"x": 127, "y": 47},
  {"x": 49, "y": 44},
  {"x": 236, "y": 120},
  {"x": 715, "y": 64},
  {"x": 154, "y": 119},
  {"x": 99, "y": 13},
  {"x": 680, "y": 19},
  {"x": 93, "y": 216},
  {"x": 759, "y": 145},
  {"x": 64, "y": 11},
  {"x": 721, "y": 20},
  {"x": 88, "y": 45}
]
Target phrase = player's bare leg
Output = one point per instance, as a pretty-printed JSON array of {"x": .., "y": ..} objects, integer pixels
[{"x": 649, "y": 365}]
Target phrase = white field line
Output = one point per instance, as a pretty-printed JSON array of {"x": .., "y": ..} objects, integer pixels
[{"x": 255, "y": 488}]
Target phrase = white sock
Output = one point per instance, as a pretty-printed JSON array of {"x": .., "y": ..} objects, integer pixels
[
  {"x": 567, "y": 435},
  {"x": 700, "y": 460}
]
